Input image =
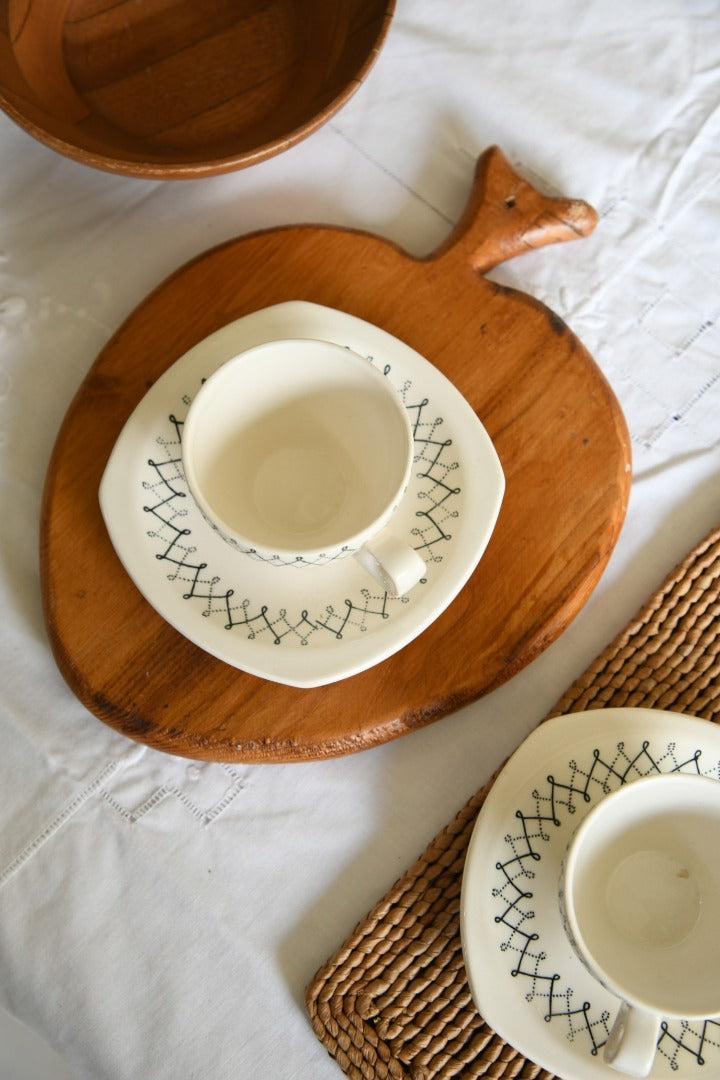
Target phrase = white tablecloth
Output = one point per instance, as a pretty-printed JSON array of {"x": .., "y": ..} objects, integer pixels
[{"x": 160, "y": 918}]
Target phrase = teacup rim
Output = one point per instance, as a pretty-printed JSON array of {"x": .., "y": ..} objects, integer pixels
[
  {"x": 278, "y": 554},
  {"x": 596, "y": 968}
]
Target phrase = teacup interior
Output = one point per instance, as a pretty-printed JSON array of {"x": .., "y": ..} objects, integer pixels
[
  {"x": 647, "y": 903},
  {"x": 300, "y": 455}
]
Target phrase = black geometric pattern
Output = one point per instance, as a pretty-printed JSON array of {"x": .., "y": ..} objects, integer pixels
[
  {"x": 167, "y": 501},
  {"x": 548, "y": 807}
]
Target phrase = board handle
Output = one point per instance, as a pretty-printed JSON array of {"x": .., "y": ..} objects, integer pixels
[{"x": 506, "y": 216}]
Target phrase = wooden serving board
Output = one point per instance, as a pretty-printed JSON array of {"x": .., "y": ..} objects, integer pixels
[{"x": 555, "y": 423}]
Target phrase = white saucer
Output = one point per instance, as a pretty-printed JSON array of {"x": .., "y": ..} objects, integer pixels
[
  {"x": 526, "y": 981},
  {"x": 304, "y": 626}
]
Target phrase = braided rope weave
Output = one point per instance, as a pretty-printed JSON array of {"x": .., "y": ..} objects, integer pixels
[{"x": 394, "y": 1001}]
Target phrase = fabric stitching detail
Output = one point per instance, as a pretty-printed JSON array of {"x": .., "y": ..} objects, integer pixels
[
  {"x": 62, "y": 818},
  {"x": 166, "y": 791}
]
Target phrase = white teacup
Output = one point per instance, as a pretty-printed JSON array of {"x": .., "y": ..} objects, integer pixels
[
  {"x": 298, "y": 452},
  {"x": 640, "y": 899}
]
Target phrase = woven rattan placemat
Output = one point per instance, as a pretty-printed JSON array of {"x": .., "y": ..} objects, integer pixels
[{"x": 394, "y": 999}]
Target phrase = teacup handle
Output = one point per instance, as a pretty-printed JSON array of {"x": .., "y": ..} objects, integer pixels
[
  {"x": 632, "y": 1042},
  {"x": 394, "y": 564}
]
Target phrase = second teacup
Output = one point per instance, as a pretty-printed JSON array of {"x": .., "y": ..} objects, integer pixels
[
  {"x": 640, "y": 899},
  {"x": 298, "y": 452}
]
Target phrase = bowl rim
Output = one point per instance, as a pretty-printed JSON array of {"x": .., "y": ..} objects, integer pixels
[{"x": 189, "y": 168}]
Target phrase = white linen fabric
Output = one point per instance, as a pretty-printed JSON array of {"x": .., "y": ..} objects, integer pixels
[{"x": 160, "y": 917}]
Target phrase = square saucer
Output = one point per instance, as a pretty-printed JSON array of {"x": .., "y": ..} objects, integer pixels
[
  {"x": 301, "y": 626},
  {"x": 527, "y": 982}
]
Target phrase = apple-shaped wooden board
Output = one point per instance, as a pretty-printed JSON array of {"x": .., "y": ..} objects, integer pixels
[{"x": 554, "y": 421}]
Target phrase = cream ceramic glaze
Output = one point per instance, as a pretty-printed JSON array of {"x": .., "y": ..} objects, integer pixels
[
  {"x": 530, "y": 986},
  {"x": 314, "y": 626},
  {"x": 640, "y": 898},
  {"x": 298, "y": 452}
]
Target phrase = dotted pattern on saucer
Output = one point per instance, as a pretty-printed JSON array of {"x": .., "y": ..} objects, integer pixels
[
  {"x": 581, "y": 785},
  {"x": 432, "y": 486}
]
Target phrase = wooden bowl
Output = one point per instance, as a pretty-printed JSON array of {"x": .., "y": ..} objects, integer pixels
[{"x": 182, "y": 88}]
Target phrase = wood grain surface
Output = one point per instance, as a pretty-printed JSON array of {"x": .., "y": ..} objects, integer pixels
[
  {"x": 181, "y": 88},
  {"x": 556, "y": 425}
]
